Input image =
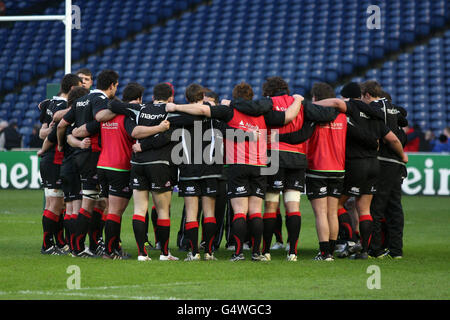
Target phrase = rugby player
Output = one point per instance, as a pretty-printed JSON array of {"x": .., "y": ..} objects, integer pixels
[
  {"x": 387, "y": 201},
  {"x": 89, "y": 109},
  {"x": 50, "y": 166},
  {"x": 362, "y": 167},
  {"x": 246, "y": 185}
]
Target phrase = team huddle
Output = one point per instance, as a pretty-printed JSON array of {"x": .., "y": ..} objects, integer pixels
[{"x": 245, "y": 154}]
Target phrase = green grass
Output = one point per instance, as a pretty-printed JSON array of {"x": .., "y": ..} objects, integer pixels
[{"x": 26, "y": 274}]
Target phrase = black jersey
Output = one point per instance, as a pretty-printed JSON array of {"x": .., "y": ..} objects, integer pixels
[
  {"x": 368, "y": 120},
  {"x": 158, "y": 148},
  {"x": 83, "y": 112},
  {"x": 202, "y": 155},
  {"x": 393, "y": 118},
  {"x": 48, "y": 108}
]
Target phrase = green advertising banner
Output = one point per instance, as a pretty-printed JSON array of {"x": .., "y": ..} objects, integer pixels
[
  {"x": 19, "y": 170},
  {"x": 428, "y": 174}
]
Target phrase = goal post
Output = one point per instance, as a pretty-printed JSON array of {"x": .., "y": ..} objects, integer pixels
[{"x": 66, "y": 19}]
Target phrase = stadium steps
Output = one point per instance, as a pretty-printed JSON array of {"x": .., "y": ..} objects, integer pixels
[
  {"x": 391, "y": 56},
  {"x": 100, "y": 49}
]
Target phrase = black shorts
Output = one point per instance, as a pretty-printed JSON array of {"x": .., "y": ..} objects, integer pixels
[
  {"x": 71, "y": 183},
  {"x": 114, "y": 183},
  {"x": 287, "y": 179},
  {"x": 153, "y": 177},
  {"x": 50, "y": 175},
  {"x": 245, "y": 181},
  {"x": 361, "y": 176},
  {"x": 198, "y": 188},
  {"x": 321, "y": 186},
  {"x": 86, "y": 164}
]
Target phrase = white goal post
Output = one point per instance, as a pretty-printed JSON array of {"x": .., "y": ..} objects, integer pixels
[{"x": 66, "y": 19}]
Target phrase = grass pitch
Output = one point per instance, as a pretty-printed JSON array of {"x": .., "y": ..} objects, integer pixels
[{"x": 26, "y": 274}]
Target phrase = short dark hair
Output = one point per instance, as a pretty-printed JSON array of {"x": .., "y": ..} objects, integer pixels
[
  {"x": 372, "y": 87},
  {"x": 75, "y": 94},
  {"x": 386, "y": 95},
  {"x": 162, "y": 91},
  {"x": 322, "y": 90},
  {"x": 351, "y": 90},
  {"x": 211, "y": 94},
  {"x": 84, "y": 71},
  {"x": 133, "y": 91},
  {"x": 194, "y": 92},
  {"x": 68, "y": 81},
  {"x": 274, "y": 85},
  {"x": 106, "y": 78},
  {"x": 243, "y": 90}
]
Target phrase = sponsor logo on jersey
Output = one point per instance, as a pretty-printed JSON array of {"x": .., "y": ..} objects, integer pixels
[{"x": 149, "y": 116}]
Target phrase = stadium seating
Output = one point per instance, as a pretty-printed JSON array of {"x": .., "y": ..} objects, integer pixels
[{"x": 222, "y": 43}]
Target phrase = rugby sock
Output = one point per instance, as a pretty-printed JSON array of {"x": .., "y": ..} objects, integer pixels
[
  {"x": 277, "y": 227},
  {"x": 95, "y": 229},
  {"x": 384, "y": 234},
  {"x": 209, "y": 230},
  {"x": 332, "y": 246},
  {"x": 324, "y": 247},
  {"x": 112, "y": 232},
  {"x": 239, "y": 231},
  {"x": 139, "y": 233},
  {"x": 147, "y": 223},
  {"x": 81, "y": 229},
  {"x": 345, "y": 225},
  {"x": 72, "y": 227},
  {"x": 256, "y": 231},
  {"x": 293, "y": 225},
  {"x": 59, "y": 232},
  {"x": 163, "y": 233},
  {"x": 67, "y": 230},
  {"x": 366, "y": 228},
  {"x": 269, "y": 221},
  {"x": 191, "y": 232},
  {"x": 154, "y": 217},
  {"x": 49, "y": 222}
]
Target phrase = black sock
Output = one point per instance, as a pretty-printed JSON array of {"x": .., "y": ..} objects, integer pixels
[
  {"x": 81, "y": 229},
  {"x": 324, "y": 247},
  {"x": 112, "y": 232},
  {"x": 49, "y": 226},
  {"x": 269, "y": 221},
  {"x": 139, "y": 234},
  {"x": 95, "y": 230},
  {"x": 366, "y": 228},
  {"x": 278, "y": 226},
  {"x": 66, "y": 223},
  {"x": 59, "y": 232},
  {"x": 332, "y": 246},
  {"x": 293, "y": 224},
  {"x": 256, "y": 231},
  {"x": 239, "y": 231},
  {"x": 345, "y": 225},
  {"x": 191, "y": 233},
  {"x": 154, "y": 218},
  {"x": 147, "y": 223},
  {"x": 163, "y": 233},
  {"x": 209, "y": 230}
]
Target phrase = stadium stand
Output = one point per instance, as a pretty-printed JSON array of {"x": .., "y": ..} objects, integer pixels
[{"x": 223, "y": 42}]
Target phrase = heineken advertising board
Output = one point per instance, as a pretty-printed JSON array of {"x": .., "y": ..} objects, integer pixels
[{"x": 428, "y": 174}]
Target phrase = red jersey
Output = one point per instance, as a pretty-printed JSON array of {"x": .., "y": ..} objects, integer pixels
[
  {"x": 245, "y": 152},
  {"x": 116, "y": 144},
  {"x": 326, "y": 147},
  {"x": 282, "y": 103}
]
